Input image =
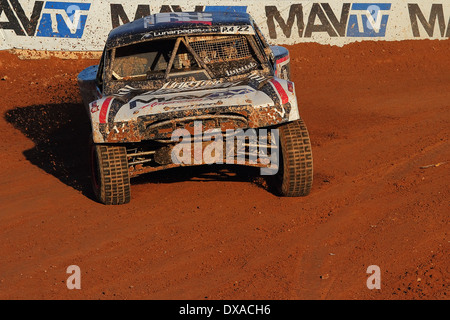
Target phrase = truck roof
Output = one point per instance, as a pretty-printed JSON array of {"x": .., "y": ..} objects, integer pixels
[{"x": 180, "y": 23}]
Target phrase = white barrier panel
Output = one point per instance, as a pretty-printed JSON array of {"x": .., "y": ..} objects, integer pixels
[{"x": 83, "y": 25}]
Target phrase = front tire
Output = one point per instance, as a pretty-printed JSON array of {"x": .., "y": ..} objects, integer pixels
[
  {"x": 110, "y": 175},
  {"x": 295, "y": 175}
]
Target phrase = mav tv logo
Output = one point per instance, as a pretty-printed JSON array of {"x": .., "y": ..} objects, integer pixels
[
  {"x": 47, "y": 19},
  {"x": 354, "y": 20},
  {"x": 368, "y": 20}
]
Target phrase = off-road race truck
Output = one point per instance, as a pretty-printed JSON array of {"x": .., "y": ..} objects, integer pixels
[{"x": 178, "y": 71}]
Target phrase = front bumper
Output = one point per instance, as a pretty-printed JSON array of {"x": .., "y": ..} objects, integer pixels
[{"x": 161, "y": 126}]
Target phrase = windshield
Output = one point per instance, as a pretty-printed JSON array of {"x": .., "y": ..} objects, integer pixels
[{"x": 196, "y": 57}]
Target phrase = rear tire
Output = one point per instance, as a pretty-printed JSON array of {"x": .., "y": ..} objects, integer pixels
[
  {"x": 110, "y": 176},
  {"x": 295, "y": 175}
]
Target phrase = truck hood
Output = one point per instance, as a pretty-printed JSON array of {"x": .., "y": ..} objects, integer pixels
[{"x": 270, "y": 100}]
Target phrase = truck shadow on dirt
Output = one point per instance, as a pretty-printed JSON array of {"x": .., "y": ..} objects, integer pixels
[
  {"x": 61, "y": 134},
  {"x": 203, "y": 173}
]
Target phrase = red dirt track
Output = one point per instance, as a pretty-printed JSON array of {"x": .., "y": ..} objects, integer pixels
[{"x": 378, "y": 114}]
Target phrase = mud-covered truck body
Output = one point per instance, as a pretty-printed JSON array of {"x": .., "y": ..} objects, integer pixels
[{"x": 181, "y": 71}]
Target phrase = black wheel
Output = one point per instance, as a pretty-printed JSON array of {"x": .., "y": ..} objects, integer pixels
[
  {"x": 110, "y": 176},
  {"x": 295, "y": 174}
]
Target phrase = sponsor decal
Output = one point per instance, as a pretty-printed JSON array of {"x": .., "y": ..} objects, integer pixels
[
  {"x": 95, "y": 108},
  {"x": 125, "y": 90},
  {"x": 256, "y": 77},
  {"x": 189, "y": 100},
  {"x": 236, "y": 29},
  {"x": 437, "y": 19},
  {"x": 218, "y": 29},
  {"x": 15, "y": 18},
  {"x": 368, "y": 20},
  {"x": 241, "y": 69},
  {"x": 63, "y": 19},
  {"x": 284, "y": 59},
  {"x": 354, "y": 20},
  {"x": 179, "y": 17},
  {"x": 226, "y": 8},
  {"x": 55, "y": 18},
  {"x": 104, "y": 109},
  {"x": 170, "y": 87},
  {"x": 279, "y": 88},
  {"x": 290, "y": 86}
]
